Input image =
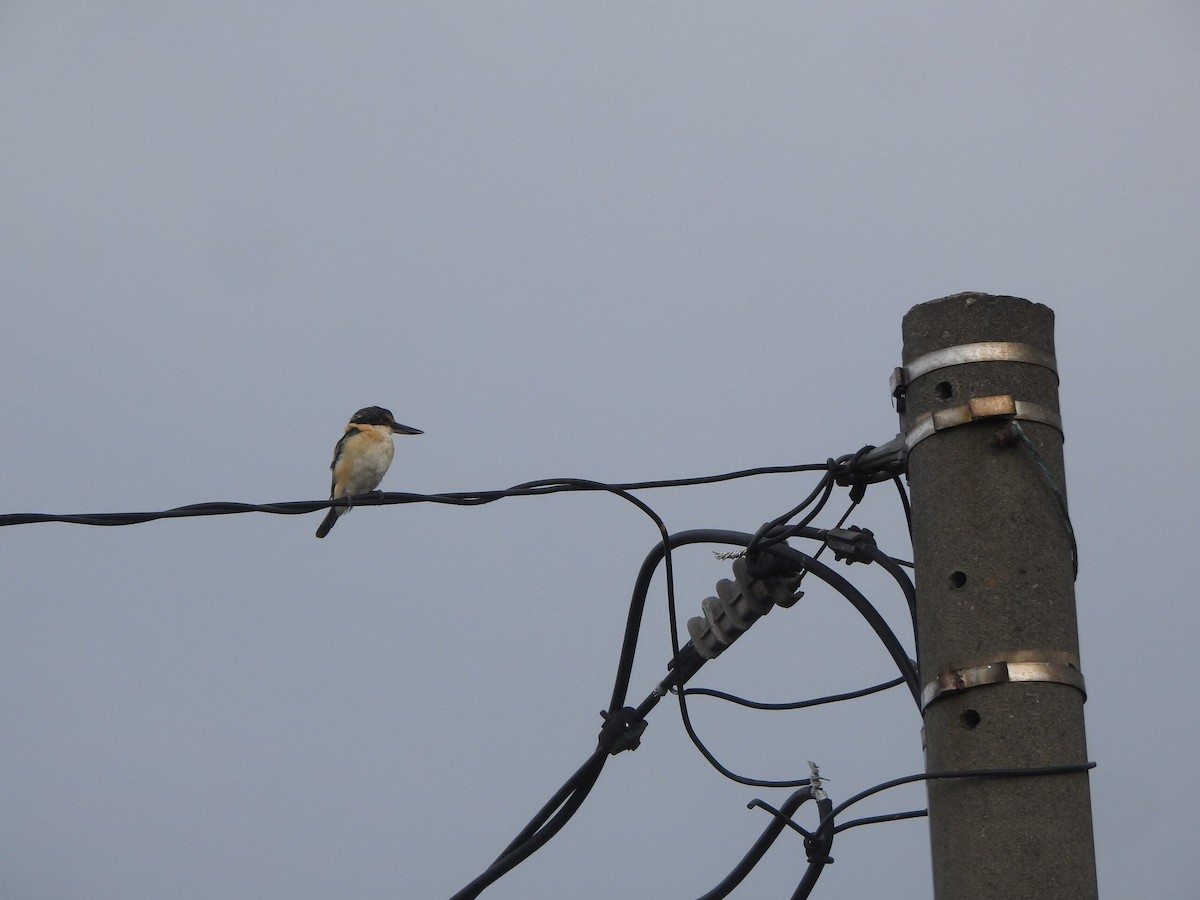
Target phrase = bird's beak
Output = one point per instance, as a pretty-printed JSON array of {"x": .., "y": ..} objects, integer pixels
[{"x": 397, "y": 428}]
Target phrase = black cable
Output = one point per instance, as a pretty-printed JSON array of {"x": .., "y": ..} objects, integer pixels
[
  {"x": 390, "y": 498},
  {"x": 818, "y": 843},
  {"x": 800, "y": 527},
  {"x": 889, "y": 564},
  {"x": 739, "y": 539},
  {"x": 887, "y": 817},
  {"x": 1068, "y": 769},
  {"x": 905, "y": 505},
  {"x": 796, "y": 704},
  {"x": 818, "y": 846},
  {"x": 779, "y": 821},
  {"x": 637, "y": 606},
  {"x": 581, "y": 777},
  {"x": 859, "y": 602},
  {"x": 563, "y": 805},
  {"x": 800, "y": 562},
  {"x": 557, "y": 811},
  {"x": 893, "y": 568},
  {"x": 545, "y": 825},
  {"x": 898, "y": 574},
  {"x": 773, "y": 532}
]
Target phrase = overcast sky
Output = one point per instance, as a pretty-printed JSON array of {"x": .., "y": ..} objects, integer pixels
[{"x": 618, "y": 241}]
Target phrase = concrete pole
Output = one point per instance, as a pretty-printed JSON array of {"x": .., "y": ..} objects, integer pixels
[{"x": 997, "y": 637}]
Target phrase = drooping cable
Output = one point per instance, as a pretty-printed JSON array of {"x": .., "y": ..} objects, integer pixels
[
  {"x": 795, "y": 704},
  {"x": 869, "y": 553}
]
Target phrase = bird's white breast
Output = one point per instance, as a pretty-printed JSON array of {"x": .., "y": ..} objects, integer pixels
[{"x": 368, "y": 462}]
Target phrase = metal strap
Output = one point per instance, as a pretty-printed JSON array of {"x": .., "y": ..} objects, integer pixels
[
  {"x": 998, "y": 406},
  {"x": 1054, "y": 666},
  {"x": 982, "y": 351}
]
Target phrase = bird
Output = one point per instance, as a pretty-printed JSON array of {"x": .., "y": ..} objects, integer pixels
[{"x": 361, "y": 457}]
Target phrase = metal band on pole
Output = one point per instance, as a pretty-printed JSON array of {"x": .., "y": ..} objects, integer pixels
[{"x": 1053, "y": 666}]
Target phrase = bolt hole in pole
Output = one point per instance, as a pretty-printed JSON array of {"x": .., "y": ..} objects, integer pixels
[
  {"x": 969, "y": 719},
  {"x": 957, "y": 580},
  {"x": 944, "y": 390}
]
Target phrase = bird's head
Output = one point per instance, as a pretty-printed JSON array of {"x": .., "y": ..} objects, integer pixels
[{"x": 377, "y": 415}]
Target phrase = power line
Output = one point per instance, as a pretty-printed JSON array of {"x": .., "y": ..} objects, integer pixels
[
  {"x": 863, "y": 466},
  {"x": 391, "y": 498},
  {"x": 623, "y": 725}
]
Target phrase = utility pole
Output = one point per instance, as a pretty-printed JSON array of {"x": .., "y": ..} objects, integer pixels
[{"x": 998, "y": 643}]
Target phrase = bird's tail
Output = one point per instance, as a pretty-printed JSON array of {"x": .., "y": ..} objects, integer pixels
[{"x": 330, "y": 518}]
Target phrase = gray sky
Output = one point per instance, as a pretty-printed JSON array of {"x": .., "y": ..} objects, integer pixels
[{"x": 613, "y": 241}]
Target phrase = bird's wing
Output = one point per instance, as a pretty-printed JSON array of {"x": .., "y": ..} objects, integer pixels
[{"x": 337, "y": 454}]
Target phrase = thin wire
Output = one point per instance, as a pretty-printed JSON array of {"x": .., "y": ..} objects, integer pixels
[
  {"x": 1052, "y": 483},
  {"x": 842, "y": 521},
  {"x": 800, "y": 527},
  {"x": 773, "y": 533},
  {"x": 888, "y": 563}
]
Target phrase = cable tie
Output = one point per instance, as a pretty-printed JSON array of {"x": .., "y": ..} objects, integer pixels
[
  {"x": 851, "y": 545},
  {"x": 816, "y": 852},
  {"x": 870, "y": 465}
]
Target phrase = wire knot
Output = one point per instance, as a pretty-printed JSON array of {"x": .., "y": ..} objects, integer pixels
[
  {"x": 847, "y": 472},
  {"x": 621, "y": 730},
  {"x": 851, "y": 545}
]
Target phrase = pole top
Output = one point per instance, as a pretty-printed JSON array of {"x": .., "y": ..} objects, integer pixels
[{"x": 973, "y": 317}]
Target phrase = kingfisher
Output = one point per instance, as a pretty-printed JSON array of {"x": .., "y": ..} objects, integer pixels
[{"x": 361, "y": 457}]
